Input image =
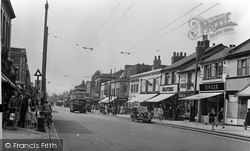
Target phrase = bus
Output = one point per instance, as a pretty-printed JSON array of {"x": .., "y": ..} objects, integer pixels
[{"x": 78, "y": 100}]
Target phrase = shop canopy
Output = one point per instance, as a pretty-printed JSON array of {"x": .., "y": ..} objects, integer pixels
[
  {"x": 112, "y": 98},
  {"x": 13, "y": 85},
  {"x": 160, "y": 97},
  {"x": 245, "y": 91},
  {"x": 105, "y": 100},
  {"x": 141, "y": 98},
  {"x": 200, "y": 96}
]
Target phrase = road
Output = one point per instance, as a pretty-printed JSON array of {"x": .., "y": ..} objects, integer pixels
[{"x": 97, "y": 132}]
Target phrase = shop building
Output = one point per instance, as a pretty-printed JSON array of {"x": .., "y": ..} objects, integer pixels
[
  {"x": 145, "y": 85},
  {"x": 237, "y": 83}
]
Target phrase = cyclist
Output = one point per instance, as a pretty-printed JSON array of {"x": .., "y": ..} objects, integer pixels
[{"x": 48, "y": 111}]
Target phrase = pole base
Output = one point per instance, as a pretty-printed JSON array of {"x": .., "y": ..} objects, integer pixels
[{"x": 40, "y": 124}]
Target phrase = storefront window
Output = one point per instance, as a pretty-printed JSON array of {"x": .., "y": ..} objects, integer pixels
[
  {"x": 143, "y": 86},
  {"x": 242, "y": 107},
  {"x": 232, "y": 107}
]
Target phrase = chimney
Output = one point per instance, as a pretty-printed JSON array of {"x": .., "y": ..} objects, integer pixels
[
  {"x": 157, "y": 63},
  {"x": 185, "y": 54},
  {"x": 177, "y": 57}
]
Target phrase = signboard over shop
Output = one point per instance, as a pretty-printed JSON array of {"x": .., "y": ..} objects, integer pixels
[
  {"x": 212, "y": 87},
  {"x": 169, "y": 88},
  {"x": 213, "y": 27}
]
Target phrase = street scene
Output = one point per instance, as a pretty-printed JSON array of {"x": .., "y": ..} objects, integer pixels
[{"x": 125, "y": 75}]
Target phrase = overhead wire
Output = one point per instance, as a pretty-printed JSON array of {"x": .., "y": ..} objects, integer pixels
[
  {"x": 176, "y": 27},
  {"x": 164, "y": 27},
  {"x": 169, "y": 31},
  {"x": 103, "y": 24},
  {"x": 114, "y": 24}
]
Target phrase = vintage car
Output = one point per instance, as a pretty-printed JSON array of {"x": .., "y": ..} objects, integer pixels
[{"x": 141, "y": 113}]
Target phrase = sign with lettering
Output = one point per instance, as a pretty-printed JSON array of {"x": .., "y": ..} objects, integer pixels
[
  {"x": 169, "y": 89},
  {"x": 212, "y": 87},
  {"x": 213, "y": 27}
]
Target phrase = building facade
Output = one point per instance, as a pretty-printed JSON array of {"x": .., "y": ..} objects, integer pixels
[{"x": 237, "y": 80}]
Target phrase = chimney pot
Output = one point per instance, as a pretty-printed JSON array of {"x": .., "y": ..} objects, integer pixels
[
  {"x": 174, "y": 54},
  {"x": 181, "y": 54},
  {"x": 204, "y": 37},
  {"x": 155, "y": 58},
  {"x": 177, "y": 53},
  {"x": 159, "y": 58},
  {"x": 185, "y": 54},
  {"x": 213, "y": 44}
]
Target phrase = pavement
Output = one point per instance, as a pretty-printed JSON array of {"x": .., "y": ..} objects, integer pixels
[{"x": 29, "y": 135}]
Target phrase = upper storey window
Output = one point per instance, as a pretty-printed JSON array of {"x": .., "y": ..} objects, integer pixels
[{"x": 243, "y": 67}]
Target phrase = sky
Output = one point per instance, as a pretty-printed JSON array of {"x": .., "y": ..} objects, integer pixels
[{"x": 142, "y": 29}]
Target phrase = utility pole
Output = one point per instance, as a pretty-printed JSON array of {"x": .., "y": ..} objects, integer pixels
[{"x": 40, "y": 125}]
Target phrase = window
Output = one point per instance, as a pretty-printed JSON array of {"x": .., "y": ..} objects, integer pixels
[
  {"x": 208, "y": 71},
  {"x": 189, "y": 78},
  {"x": 150, "y": 85},
  {"x": 124, "y": 88},
  {"x": 166, "y": 78},
  {"x": 243, "y": 67},
  {"x": 173, "y": 78}
]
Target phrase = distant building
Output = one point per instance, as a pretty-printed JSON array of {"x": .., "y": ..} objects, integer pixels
[{"x": 19, "y": 57}]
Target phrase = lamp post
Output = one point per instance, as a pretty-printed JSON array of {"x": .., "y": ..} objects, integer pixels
[{"x": 40, "y": 124}]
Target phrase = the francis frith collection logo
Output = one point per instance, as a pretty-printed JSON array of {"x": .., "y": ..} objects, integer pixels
[{"x": 213, "y": 27}]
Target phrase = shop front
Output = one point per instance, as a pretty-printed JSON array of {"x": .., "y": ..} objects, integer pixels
[{"x": 211, "y": 96}]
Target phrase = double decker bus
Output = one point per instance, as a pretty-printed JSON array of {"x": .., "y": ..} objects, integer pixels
[{"x": 78, "y": 100}]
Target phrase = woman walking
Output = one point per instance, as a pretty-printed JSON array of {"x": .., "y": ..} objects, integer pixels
[
  {"x": 160, "y": 112},
  {"x": 211, "y": 116}
]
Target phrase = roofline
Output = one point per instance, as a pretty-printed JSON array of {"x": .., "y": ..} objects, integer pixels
[
  {"x": 144, "y": 73},
  {"x": 240, "y": 45},
  {"x": 8, "y": 3}
]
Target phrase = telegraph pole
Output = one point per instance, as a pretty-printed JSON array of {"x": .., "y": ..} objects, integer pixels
[{"x": 40, "y": 125}]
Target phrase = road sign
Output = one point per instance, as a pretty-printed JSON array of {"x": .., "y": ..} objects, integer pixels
[{"x": 38, "y": 73}]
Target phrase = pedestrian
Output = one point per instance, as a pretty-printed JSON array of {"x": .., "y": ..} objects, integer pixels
[
  {"x": 177, "y": 113},
  {"x": 31, "y": 117},
  {"x": 211, "y": 116},
  {"x": 170, "y": 114},
  {"x": 247, "y": 119},
  {"x": 23, "y": 110},
  {"x": 121, "y": 109},
  {"x": 220, "y": 118},
  {"x": 15, "y": 102},
  {"x": 155, "y": 112},
  {"x": 160, "y": 112}
]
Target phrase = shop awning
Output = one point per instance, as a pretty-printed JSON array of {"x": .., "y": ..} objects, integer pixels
[
  {"x": 112, "y": 98},
  {"x": 13, "y": 85},
  {"x": 105, "y": 100},
  {"x": 200, "y": 96},
  {"x": 245, "y": 91},
  {"x": 141, "y": 98},
  {"x": 160, "y": 97}
]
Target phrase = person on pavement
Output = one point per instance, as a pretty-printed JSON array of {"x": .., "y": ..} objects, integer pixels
[
  {"x": 220, "y": 118},
  {"x": 23, "y": 111},
  {"x": 247, "y": 119},
  {"x": 170, "y": 114},
  {"x": 155, "y": 112},
  {"x": 211, "y": 116},
  {"x": 16, "y": 102},
  {"x": 160, "y": 112}
]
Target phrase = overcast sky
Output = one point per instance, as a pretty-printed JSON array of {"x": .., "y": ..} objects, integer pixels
[{"x": 143, "y": 28}]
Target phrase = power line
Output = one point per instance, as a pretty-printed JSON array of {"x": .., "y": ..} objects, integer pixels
[
  {"x": 176, "y": 27},
  {"x": 164, "y": 27},
  {"x": 114, "y": 25},
  {"x": 170, "y": 31},
  {"x": 103, "y": 24}
]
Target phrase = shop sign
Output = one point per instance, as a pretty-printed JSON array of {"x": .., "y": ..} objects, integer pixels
[
  {"x": 169, "y": 89},
  {"x": 213, "y": 27},
  {"x": 212, "y": 87}
]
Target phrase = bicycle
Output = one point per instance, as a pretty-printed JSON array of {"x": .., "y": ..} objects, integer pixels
[{"x": 48, "y": 118}]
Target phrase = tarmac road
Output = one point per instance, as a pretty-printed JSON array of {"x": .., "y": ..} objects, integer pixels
[{"x": 97, "y": 132}]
